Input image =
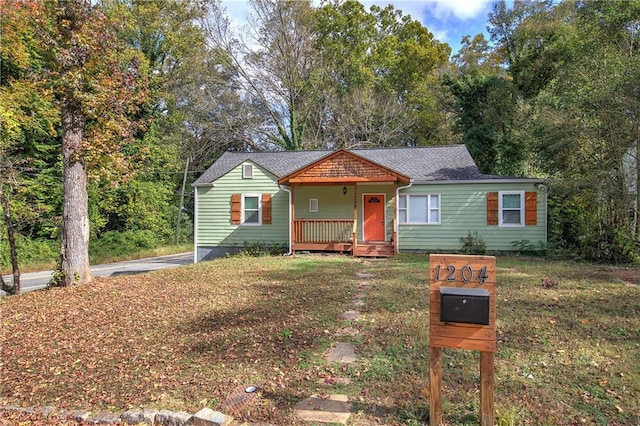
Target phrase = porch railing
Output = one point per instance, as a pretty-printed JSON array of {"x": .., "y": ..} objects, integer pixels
[{"x": 323, "y": 230}]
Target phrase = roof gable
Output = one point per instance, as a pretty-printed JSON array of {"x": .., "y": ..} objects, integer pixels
[{"x": 343, "y": 166}]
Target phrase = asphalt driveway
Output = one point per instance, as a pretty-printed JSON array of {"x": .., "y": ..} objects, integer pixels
[{"x": 37, "y": 280}]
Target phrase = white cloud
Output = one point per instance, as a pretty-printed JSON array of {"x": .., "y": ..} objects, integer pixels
[
  {"x": 460, "y": 9},
  {"x": 237, "y": 11}
]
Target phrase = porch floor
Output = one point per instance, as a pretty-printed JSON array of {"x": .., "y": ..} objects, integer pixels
[{"x": 363, "y": 249}]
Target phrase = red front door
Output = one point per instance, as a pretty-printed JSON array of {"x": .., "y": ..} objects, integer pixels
[{"x": 374, "y": 217}]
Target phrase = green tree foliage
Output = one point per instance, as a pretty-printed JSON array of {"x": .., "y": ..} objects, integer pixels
[
  {"x": 489, "y": 110},
  {"x": 27, "y": 122},
  {"x": 588, "y": 127},
  {"x": 576, "y": 67},
  {"x": 382, "y": 78},
  {"x": 335, "y": 76},
  {"x": 488, "y": 107}
]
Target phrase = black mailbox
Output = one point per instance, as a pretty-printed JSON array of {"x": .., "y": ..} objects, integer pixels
[{"x": 466, "y": 305}]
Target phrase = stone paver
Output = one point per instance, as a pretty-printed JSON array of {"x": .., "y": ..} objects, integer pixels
[
  {"x": 358, "y": 303},
  {"x": 332, "y": 409},
  {"x": 333, "y": 381},
  {"x": 342, "y": 352},
  {"x": 364, "y": 275},
  {"x": 350, "y": 315}
]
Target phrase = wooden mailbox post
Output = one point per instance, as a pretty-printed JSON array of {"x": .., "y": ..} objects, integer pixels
[{"x": 462, "y": 306}]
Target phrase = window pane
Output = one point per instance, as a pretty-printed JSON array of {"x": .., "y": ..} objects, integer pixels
[
  {"x": 435, "y": 202},
  {"x": 511, "y": 201},
  {"x": 511, "y": 216},
  {"x": 403, "y": 202},
  {"x": 251, "y": 217},
  {"x": 435, "y": 216},
  {"x": 402, "y": 216},
  {"x": 418, "y": 209},
  {"x": 251, "y": 203}
]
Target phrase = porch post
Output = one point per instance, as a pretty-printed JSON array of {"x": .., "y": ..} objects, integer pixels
[
  {"x": 395, "y": 217},
  {"x": 354, "y": 242},
  {"x": 294, "y": 236}
]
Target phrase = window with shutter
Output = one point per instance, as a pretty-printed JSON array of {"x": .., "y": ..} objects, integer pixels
[
  {"x": 511, "y": 208},
  {"x": 250, "y": 209}
]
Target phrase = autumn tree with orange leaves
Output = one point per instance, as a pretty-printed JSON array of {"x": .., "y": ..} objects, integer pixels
[{"x": 97, "y": 84}]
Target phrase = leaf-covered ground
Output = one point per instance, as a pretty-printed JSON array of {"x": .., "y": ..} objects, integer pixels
[{"x": 568, "y": 350}]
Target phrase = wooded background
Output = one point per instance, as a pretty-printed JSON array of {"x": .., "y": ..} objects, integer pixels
[{"x": 139, "y": 97}]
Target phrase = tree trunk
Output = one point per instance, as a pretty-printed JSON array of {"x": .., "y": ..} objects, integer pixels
[
  {"x": 74, "y": 251},
  {"x": 15, "y": 288},
  {"x": 636, "y": 216}
]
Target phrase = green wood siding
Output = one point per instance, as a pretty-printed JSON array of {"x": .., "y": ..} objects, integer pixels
[
  {"x": 213, "y": 211},
  {"x": 332, "y": 203},
  {"x": 463, "y": 210}
]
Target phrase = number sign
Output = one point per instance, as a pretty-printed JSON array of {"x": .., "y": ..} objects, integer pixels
[{"x": 461, "y": 272}]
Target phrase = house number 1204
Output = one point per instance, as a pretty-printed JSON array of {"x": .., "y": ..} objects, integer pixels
[{"x": 465, "y": 273}]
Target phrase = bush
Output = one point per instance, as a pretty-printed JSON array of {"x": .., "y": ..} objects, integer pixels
[
  {"x": 29, "y": 251},
  {"x": 473, "y": 244},
  {"x": 258, "y": 249},
  {"x": 527, "y": 247},
  {"x": 114, "y": 244},
  {"x": 610, "y": 246}
]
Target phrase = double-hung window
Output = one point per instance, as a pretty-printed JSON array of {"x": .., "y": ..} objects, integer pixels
[
  {"x": 511, "y": 208},
  {"x": 419, "y": 209},
  {"x": 251, "y": 209}
]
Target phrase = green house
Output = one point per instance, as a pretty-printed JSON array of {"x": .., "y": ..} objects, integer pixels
[{"x": 366, "y": 202}]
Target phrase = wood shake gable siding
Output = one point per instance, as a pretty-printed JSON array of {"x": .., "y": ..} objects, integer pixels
[
  {"x": 463, "y": 209},
  {"x": 342, "y": 167},
  {"x": 214, "y": 209}
]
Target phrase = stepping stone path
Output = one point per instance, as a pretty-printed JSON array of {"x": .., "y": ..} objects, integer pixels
[
  {"x": 342, "y": 352},
  {"x": 336, "y": 408},
  {"x": 326, "y": 409},
  {"x": 350, "y": 315}
]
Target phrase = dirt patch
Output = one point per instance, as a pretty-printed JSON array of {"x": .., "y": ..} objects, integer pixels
[{"x": 629, "y": 276}]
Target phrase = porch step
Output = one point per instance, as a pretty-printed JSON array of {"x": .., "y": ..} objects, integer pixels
[{"x": 374, "y": 249}]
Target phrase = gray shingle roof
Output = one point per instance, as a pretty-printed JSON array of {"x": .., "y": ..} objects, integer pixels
[{"x": 421, "y": 164}]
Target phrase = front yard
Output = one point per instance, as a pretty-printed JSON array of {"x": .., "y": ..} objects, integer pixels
[{"x": 567, "y": 353}]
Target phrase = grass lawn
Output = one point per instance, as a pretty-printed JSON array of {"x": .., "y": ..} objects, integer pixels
[{"x": 568, "y": 349}]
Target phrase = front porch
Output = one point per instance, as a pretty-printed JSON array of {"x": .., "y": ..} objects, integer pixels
[
  {"x": 344, "y": 203},
  {"x": 336, "y": 236}
]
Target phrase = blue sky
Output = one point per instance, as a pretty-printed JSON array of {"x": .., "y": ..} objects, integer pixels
[{"x": 448, "y": 20}]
